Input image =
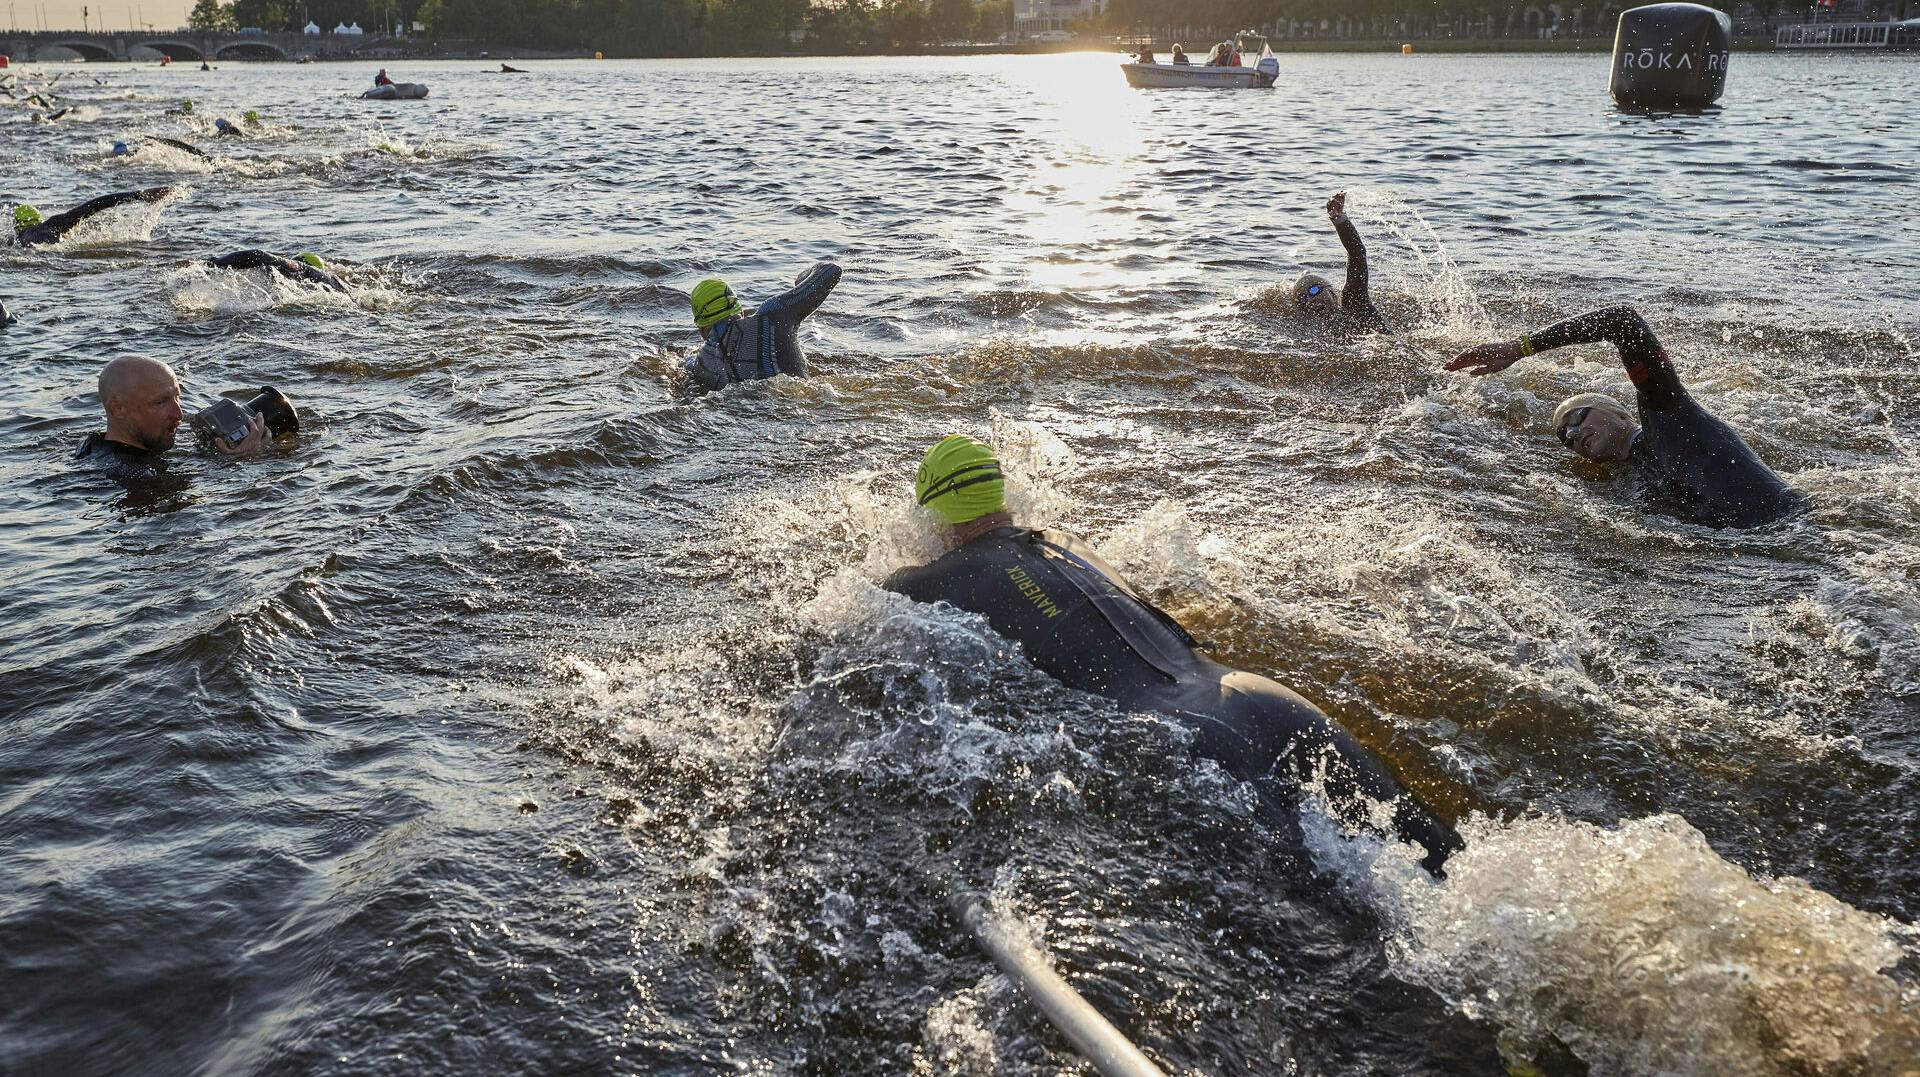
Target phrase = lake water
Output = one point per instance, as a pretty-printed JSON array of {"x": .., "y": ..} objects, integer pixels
[{"x": 529, "y": 713}]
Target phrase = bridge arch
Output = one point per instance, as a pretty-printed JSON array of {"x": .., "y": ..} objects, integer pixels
[
  {"x": 86, "y": 50},
  {"x": 250, "y": 50},
  {"x": 179, "y": 50}
]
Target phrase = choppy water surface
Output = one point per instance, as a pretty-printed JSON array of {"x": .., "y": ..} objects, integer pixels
[{"x": 529, "y": 713}]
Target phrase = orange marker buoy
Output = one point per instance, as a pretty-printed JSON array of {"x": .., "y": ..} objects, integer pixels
[
  {"x": 597, "y": 55},
  {"x": 1406, "y": 50}
]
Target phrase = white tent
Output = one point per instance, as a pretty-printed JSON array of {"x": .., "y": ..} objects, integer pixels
[
  {"x": 312, "y": 28},
  {"x": 355, "y": 29},
  {"x": 341, "y": 29}
]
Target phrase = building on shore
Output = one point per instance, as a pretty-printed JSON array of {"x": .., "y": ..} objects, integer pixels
[{"x": 1032, "y": 18}]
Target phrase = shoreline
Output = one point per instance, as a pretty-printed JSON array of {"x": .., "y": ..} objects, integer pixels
[{"x": 490, "y": 53}]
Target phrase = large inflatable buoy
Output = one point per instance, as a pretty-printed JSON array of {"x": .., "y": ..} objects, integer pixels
[{"x": 1670, "y": 56}]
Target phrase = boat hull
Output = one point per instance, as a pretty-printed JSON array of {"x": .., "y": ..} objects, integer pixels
[{"x": 1168, "y": 76}]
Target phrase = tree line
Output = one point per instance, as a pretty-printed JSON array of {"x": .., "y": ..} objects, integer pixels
[{"x": 727, "y": 27}]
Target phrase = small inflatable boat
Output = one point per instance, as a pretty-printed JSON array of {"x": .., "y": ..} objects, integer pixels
[{"x": 399, "y": 91}]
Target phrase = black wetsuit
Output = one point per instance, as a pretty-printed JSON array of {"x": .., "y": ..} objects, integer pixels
[
  {"x": 1684, "y": 454},
  {"x": 1356, "y": 300},
  {"x": 58, "y": 225},
  {"x": 6, "y": 316},
  {"x": 183, "y": 147},
  {"x": 120, "y": 460},
  {"x": 286, "y": 267},
  {"x": 766, "y": 342},
  {"x": 1079, "y": 622}
]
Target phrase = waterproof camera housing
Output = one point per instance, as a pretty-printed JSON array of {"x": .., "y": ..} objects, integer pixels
[{"x": 227, "y": 419}]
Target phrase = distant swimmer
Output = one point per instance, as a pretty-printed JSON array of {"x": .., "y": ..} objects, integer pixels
[
  {"x": 6, "y": 316},
  {"x": 204, "y": 66},
  {"x": 142, "y": 401},
  {"x": 1080, "y": 623},
  {"x": 508, "y": 69},
  {"x": 183, "y": 147},
  {"x": 1314, "y": 295},
  {"x": 308, "y": 267},
  {"x": 1688, "y": 458},
  {"x": 29, "y": 227},
  {"x": 749, "y": 347}
]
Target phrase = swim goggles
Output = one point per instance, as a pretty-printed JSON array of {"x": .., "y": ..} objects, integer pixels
[{"x": 1572, "y": 426}]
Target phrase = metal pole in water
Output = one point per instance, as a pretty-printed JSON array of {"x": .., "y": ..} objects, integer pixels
[{"x": 1102, "y": 1044}]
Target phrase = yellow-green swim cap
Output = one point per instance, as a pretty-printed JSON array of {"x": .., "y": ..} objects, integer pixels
[
  {"x": 960, "y": 479},
  {"x": 25, "y": 216},
  {"x": 311, "y": 259},
  {"x": 712, "y": 302}
]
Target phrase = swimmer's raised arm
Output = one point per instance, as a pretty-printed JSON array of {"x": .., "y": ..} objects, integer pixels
[
  {"x": 810, "y": 289},
  {"x": 1621, "y": 325},
  {"x": 1355, "y": 299}
]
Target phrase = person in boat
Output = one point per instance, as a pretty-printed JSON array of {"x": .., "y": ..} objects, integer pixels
[
  {"x": 1688, "y": 459},
  {"x": 142, "y": 400},
  {"x": 1180, "y": 55},
  {"x": 308, "y": 267},
  {"x": 30, "y": 228},
  {"x": 1315, "y": 297},
  {"x": 749, "y": 347},
  {"x": 1079, "y": 622},
  {"x": 1145, "y": 55},
  {"x": 381, "y": 79}
]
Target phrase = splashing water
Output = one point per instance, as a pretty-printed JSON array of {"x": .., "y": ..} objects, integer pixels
[{"x": 1643, "y": 951}]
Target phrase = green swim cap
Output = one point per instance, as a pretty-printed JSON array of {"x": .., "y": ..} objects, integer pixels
[
  {"x": 25, "y": 216},
  {"x": 713, "y": 301},
  {"x": 251, "y": 116},
  {"x": 186, "y": 106},
  {"x": 960, "y": 479},
  {"x": 311, "y": 259}
]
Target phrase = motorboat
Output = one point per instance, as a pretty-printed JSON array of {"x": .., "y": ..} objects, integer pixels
[
  {"x": 396, "y": 91},
  {"x": 1156, "y": 76}
]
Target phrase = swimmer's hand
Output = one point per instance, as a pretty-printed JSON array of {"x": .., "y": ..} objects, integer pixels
[
  {"x": 155, "y": 194},
  {"x": 1337, "y": 206},
  {"x": 256, "y": 440},
  {"x": 1483, "y": 359}
]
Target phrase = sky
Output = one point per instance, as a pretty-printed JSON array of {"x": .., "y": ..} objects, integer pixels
[{"x": 119, "y": 14}]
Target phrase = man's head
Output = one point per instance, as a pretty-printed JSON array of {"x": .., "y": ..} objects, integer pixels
[
  {"x": 25, "y": 217},
  {"x": 142, "y": 400},
  {"x": 960, "y": 479},
  {"x": 1314, "y": 294},
  {"x": 1596, "y": 426},
  {"x": 713, "y": 302}
]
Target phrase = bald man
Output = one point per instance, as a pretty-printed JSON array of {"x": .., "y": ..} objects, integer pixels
[{"x": 142, "y": 401}]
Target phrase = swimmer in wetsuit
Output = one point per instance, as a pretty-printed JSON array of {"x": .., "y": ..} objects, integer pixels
[
  {"x": 1684, "y": 454},
  {"x": 308, "y": 268},
  {"x": 1314, "y": 295},
  {"x": 29, "y": 227},
  {"x": 749, "y": 347},
  {"x": 1079, "y": 622}
]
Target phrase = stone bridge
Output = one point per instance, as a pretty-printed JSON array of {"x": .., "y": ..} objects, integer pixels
[{"x": 195, "y": 45}]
